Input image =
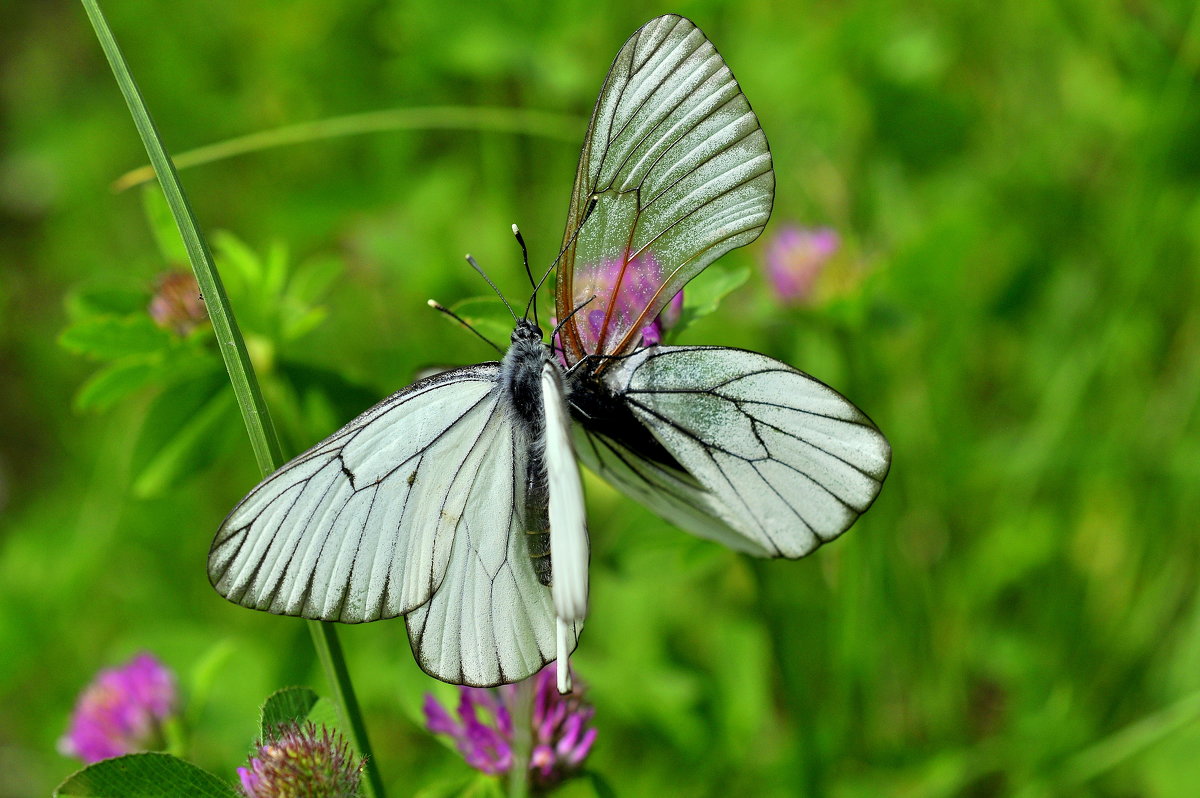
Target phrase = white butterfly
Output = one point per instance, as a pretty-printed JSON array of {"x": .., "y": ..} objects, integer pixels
[{"x": 457, "y": 502}]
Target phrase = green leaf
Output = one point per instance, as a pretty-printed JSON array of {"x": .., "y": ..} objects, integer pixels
[
  {"x": 288, "y": 705},
  {"x": 114, "y": 382},
  {"x": 600, "y": 785},
  {"x": 239, "y": 264},
  {"x": 299, "y": 705},
  {"x": 177, "y": 437},
  {"x": 300, "y": 324},
  {"x": 348, "y": 398},
  {"x": 145, "y": 776},
  {"x": 110, "y": 337},
  {"x": 704, "y": 293},
  {"x": 325, "y": 713},
  {"x": 310, "y": 402},
  {"x": 484, "y": 786},
  {"x": 205, "y": 673},
  {"x": 446, "y": 788},
  {"x": 312, "y": 279},
  {"x": 162, "y": 225},
  {"x": 275, "y": 270},
  {"x": 488, "y": 316},
  {"x": 106, "y": 301}
]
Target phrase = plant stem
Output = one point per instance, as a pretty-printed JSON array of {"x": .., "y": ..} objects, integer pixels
[
  {"x": 263, "y": 440},
  {"x": 782, "y": 631},
  {"x": 563, "y": 127},
  {"x": 522, "y": 740},
  {"x": 329, "y": 650}
]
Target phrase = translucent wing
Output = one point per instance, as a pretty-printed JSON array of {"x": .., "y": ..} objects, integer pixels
[
  {"x": 411, "y": 509},
  {"x": 749, "y": 451},
  {"x": 679, "y": 172}
]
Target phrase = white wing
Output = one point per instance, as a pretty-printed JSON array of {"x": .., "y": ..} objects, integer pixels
[
  {"x": 663, "y": 487},
  {"x": 396, "y": 514},
  {"x": 568, "y": 526},
  {"x": 766, "y": 458}
]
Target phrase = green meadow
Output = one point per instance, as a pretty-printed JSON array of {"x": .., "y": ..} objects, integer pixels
[{"x": 1015, "y": 301}]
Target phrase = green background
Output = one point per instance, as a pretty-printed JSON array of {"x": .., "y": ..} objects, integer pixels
[{"x": 1015, "y": 304}]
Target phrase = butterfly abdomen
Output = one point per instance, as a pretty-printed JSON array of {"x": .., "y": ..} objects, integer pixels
[
  {"x": 520, "y": 382},
  {"x": 537, "y": 515}
]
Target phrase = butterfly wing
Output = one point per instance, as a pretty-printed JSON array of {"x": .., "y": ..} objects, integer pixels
[
  {"x": 569, "y": 549},
  {"x": 491, "y": 621},
  {"x": 413, "y": 508},
  {"x": 675, "y": 171},
  {"x": 752, "y": 453}
]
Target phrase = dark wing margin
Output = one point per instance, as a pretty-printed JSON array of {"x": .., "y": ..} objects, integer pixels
[
  {"x": 771, "y": 458},
  {"x": 680, "y": 173}
]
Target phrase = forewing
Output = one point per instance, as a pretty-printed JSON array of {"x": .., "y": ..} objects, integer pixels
[
  {"x": 776, "y": 457},
  {"x": 489, "y": 621},
  {"x": 360, "y": 527},
  {"x": 679, "y": 172}
]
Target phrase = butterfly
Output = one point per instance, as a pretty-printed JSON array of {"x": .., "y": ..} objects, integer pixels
[{"x": 457, "y": 502}]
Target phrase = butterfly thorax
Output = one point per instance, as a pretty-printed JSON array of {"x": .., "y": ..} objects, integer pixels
[
  {"x": 521, "y": 375},
  {"x": 521, "y": 386}
]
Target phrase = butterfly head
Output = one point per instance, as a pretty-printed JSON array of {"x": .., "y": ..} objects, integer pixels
[{"x": 526, "y": 332}]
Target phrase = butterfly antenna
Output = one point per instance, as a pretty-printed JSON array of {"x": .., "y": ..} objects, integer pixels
[
  {"x": 592, "y": 358},
  {"x": 438, "y": 306},
  {"x": 571, "y": 315},
  {"x": 477, "y": 268},
  {"x": 528, "y": 273},
  {"x": 586, "y": 215}
]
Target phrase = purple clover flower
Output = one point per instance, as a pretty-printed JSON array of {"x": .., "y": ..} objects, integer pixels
[
  {"x": 653, "y": 333},
  {"x": 795, "y": 257},
  {"x": 641, "y": 280},
  {"x": 123, "y": 710},
  {"x": 299, "y": 761},
  {"x": 176, "y": 304},
  {"x": 635, "y": 284},
  {"x": 483, "y": 731}
]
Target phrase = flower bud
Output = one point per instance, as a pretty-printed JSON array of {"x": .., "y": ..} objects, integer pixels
[{"x": 301, "y": 761}]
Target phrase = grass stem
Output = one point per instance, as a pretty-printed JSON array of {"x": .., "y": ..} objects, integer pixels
[
  {"x": 263, "y": 439},
  {"x": 562, "y": 127}
]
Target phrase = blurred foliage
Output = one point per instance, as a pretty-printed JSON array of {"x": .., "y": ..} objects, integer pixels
[{"x": 1015, "y": 185}]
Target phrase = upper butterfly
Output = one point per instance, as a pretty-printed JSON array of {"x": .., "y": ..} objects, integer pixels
[{"x": 457, "y": 502}]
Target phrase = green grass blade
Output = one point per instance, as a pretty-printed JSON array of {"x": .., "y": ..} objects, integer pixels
[
  {"x": 265, "y": 443},
  {"x": 1132, "y": 740},
  {"x": 237, "y": 361},
  {"x": 560, "y": 127}
]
